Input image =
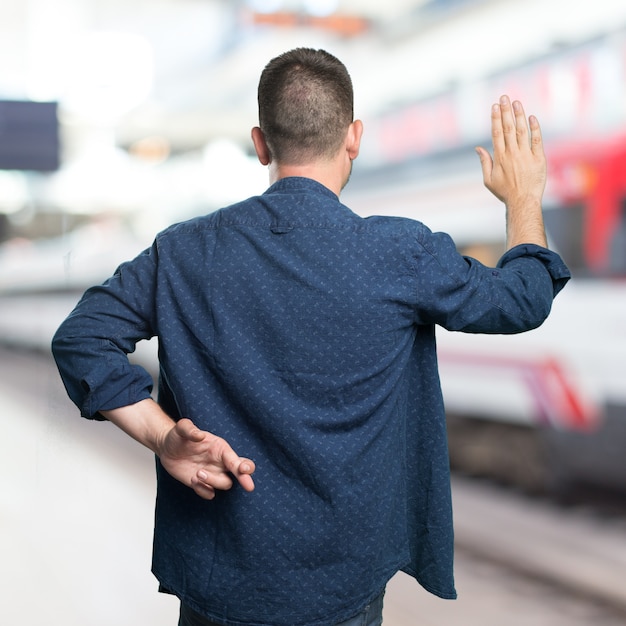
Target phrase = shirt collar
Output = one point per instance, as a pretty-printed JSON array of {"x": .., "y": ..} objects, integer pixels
[{"x": 300, "y": 183}]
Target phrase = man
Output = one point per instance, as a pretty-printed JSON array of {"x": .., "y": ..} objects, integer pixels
[{"x": 301, "y": 335}]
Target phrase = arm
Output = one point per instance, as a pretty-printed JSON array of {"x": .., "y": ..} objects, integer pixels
[
  {"x": 91, "y": 348},
  {"x": 195, "y": 457},
  {"x": 517, "y": 294},
  {"x": 92, "y": 344},
  {"x": 517, "y": 173}
]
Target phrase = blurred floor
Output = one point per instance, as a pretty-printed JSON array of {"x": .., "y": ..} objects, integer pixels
[
  {"x": 75, "y": 514},
  {"x": 76, "y": 504}
]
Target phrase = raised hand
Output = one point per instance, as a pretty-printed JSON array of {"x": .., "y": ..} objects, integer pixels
[{"x": 517, "y": 172}]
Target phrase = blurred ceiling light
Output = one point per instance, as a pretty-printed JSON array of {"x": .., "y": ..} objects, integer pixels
[
  {"x": 104, "y": 179},
  {"x": 316, "y": 8},
  {"x": 14, "y": 194},
  {"x": 321, "y": 8},
  {"x": 151, "y": 149},
  {"x": 232, "y": 174},
  {"x": 111, "y": 74},
  {"x": 265, "y": 6}
]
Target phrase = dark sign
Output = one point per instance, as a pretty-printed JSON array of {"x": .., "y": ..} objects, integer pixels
[{"x": 29, "y": 136}]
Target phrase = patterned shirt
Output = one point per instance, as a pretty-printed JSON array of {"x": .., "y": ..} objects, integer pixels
[{"x": 305, "y": 336}]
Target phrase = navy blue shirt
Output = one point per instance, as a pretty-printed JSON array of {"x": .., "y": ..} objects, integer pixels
[{"x": 305, "y": 336}]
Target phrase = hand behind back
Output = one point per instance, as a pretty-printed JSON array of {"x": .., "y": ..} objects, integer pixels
[{"x": 202, "y": 460}]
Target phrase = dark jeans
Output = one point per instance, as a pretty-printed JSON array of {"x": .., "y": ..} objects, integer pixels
[{"x": 371, "y": 615}]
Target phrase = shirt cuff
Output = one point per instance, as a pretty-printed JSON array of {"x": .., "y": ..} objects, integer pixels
[
  {"x": 559, "y": 272},
  {"x": 127, "y": 387}
]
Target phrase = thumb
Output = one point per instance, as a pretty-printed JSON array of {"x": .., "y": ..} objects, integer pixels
[{"x": 486, "y": 163}]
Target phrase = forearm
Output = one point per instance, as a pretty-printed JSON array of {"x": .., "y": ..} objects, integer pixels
[
  {"x": 524, "y": 224},
  {"x": 145, "y": 421}
]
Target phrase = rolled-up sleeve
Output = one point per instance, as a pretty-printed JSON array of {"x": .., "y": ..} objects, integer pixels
[
  {"x": 91, "y": 346},
  {"x": 552, "y": 262},
  {"x": 461, "y": 294}
]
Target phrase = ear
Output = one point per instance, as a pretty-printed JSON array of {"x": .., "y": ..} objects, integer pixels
[
  {"x": 353, "y": 139},
  {"x": 260, "y": 146}
]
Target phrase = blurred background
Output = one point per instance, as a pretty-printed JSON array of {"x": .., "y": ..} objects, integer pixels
[{"x": 118, "y": 118}]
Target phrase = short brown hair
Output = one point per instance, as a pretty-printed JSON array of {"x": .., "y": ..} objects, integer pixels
[{"x": 306, "y": 104}]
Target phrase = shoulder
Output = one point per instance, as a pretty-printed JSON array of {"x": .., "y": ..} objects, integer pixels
[
  {"x": 396, "y": 226},
  {"x": 207, "y": 222}
]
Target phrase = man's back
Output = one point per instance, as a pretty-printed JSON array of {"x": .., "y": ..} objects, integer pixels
[{"x": 291, "y": 340}]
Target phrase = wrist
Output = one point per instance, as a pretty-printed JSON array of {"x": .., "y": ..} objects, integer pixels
[{"x": 145, "y": 421}]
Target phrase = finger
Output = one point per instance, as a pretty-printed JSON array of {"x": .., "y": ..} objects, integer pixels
[
  {"x": 244, "y": 474},
  {"x": 521, "y": 128},
  {"x": 213, "y": 479},
  {"x": 497, "y": 135},
  {"x": 188, "y": 430},
  {"x": 509, "y": 131},
  {"x": 203, "y": 489},
  {"x": 240, "y": 467},
  {"x": 486, "y": 163},
  {"x": 246, "y": 481},
  {"x": 536, "y": 138}
]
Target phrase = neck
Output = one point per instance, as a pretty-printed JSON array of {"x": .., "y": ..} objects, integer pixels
[
  {"x": 333, "y": 173},
  {"x": 328, "y": 173}
]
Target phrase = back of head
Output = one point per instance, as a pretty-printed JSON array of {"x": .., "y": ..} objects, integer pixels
[{"x": 305, "y": 105}]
